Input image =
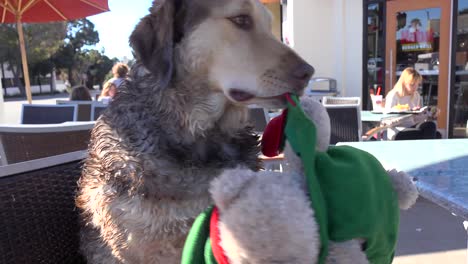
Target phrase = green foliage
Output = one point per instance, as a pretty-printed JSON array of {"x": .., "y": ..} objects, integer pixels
[
  {"x": 72, "y": 55},
  {"x": 9, "y": 45},
  {"x": 41, "y": 41},
  {"x": 65, "y": 46},
  {"x": 97, "y": 66}
]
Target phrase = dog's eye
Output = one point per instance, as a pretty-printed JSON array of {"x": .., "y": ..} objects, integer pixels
[{"x": 243, "y": 21}]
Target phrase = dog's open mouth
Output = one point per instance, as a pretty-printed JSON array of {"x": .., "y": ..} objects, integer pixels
[
  {"x": 240, "y": 95},
  {"x": 243, "y": 96}
]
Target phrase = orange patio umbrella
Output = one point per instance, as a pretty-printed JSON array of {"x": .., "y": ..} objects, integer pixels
[{"x": 41, "y": 11}]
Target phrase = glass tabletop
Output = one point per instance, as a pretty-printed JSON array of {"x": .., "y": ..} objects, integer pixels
[
  {"x": 369, "y": 116},
  {"x": 440, "y": 166}
]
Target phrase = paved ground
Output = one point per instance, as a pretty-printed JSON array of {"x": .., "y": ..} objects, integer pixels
[{"x": 428, "y": 233}]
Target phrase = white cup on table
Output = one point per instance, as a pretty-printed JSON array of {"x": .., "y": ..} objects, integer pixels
[{"x": 377, "y": 102}]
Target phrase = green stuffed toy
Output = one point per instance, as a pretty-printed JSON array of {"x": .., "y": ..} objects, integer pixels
[{"x": 330, "y": 205}]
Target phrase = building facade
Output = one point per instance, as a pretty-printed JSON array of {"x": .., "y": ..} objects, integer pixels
[{"x": 365, "y": 45}]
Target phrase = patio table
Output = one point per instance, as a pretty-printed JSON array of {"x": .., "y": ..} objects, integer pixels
[
  {"x": 369, "y": 116},
  {"x": 440, "y": 167}
]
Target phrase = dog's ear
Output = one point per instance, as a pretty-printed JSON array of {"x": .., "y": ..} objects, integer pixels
[{"x": 153, "y": 39}]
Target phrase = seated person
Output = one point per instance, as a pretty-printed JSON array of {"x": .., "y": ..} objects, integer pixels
[
  {"x": 120, "y": 70},
  {"x": 80, "y": 93},
  {"x": 404, "y": 96},
  {"x": 110, "y": 89}
]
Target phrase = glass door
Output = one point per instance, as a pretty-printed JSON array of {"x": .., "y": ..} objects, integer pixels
[
  {"x": 459, "y": 99},
  {"x": 418, "y": 36}
]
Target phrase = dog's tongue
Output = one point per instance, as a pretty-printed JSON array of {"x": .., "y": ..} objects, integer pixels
[{"x": 272, "y": 138}]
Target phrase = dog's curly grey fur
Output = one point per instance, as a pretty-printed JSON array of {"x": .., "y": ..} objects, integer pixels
[
  {"x": 147, "y": 176},
  {"x": 174, "y": 126}
]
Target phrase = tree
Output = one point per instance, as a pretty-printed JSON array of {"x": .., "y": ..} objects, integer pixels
[
  {"x": 97, "y": 66},
  {"x": 80, "y": 34},
  {"x": 10, "y": 53},
  {"x": 42, "y": 40}
]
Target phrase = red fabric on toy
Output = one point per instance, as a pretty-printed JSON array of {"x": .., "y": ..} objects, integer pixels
[
  {"x": 215, "y": 237},
  {"x": 273, "y": 136}
]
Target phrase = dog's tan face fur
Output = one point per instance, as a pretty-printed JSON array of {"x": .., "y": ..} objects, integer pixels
[
  {"x": 243, "y": 58},
  {"x": 229, "y": 43},
  {"x": 246, "y": 60}
]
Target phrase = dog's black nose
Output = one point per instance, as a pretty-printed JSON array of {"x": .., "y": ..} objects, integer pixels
[{"x": 303, "y": 72}]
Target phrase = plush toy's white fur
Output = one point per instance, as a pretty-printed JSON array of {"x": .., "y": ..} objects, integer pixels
[{"x": 266, "y": 217}]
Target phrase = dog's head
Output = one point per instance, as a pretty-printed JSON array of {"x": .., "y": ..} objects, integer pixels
[{"x": 227, "y": 42}]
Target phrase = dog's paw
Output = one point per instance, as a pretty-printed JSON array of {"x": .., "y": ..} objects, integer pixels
[{"x": 405, "y": 188}]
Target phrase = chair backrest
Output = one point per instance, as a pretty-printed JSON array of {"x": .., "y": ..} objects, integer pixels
[
  {"x": 97, "y": 109},
  {"x": 328, "y": 100},
  {"x": 83, "y": 107},
  {"x": 20, "y": 143},
  {"x": 38, "y": 217},
  {"x": 424, "y": 130},
  {"x": 48, "y": 114},
  {"x": 258, "y": 118},
  {"x": 345, "y": 123}
]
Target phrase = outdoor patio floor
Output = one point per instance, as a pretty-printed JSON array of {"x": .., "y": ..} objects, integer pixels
[{"x": 430, "y": 235}]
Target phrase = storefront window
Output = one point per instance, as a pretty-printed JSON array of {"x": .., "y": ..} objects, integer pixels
[
  {"x": 460, "y": 90},
  {"x": 418, "y": 40},
  {"x": 375, "y": 50}
]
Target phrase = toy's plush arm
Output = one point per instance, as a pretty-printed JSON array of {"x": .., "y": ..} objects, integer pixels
[
  {"x": 405, "y": 188},
  {"x": 226, "y": 188},
  {"x": 348, "y": 252}
]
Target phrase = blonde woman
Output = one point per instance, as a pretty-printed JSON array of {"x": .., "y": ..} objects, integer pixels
[
  {"x": 120, "y": 70},
  {"x": 404, "y": 95},
  {"x": 110, "y": 89}
]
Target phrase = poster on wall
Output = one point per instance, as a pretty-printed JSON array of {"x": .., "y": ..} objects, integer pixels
[{"x": 416, "y": 32}]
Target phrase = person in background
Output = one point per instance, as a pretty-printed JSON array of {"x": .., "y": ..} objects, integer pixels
[
  {"x": 120, "y": 70},
  {"x": 404, "y": 95},
  {"x": 80, "y": 93},
  {"x": 110, "y": 89}
]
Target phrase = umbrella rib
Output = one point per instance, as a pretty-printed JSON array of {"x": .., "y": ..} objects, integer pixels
[
  {"x": 94, "y": 5},
  {"x": 7, "y": 6},
  {"x": 56, "y": 10},
  {"x": 4, "y": 13},
  {"x": 29, "y": 5}
]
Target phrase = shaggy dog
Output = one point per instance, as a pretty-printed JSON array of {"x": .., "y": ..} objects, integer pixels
[{"x": 179, "y": 122}]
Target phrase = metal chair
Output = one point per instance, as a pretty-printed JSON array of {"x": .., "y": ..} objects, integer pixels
[
  {"x": 345, "y": 118},
  {"x": 259, "y": 119},
  {"x": 329, "y": 100},
  {"x": 423, "y": 130},
  {"x": 38, "y": 218},
  {"x": 96, "y": 110},
  {"x": 83, "y": 108},
  {"x": 48, "y": 114},
  {"x": 20, "y": 143}
]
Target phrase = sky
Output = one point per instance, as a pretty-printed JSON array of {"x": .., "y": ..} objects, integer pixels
[{"x": 115, "y": 26}]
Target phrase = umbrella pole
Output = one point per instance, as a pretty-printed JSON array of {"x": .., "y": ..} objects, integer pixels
[{"x": 24, "y": 60}]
